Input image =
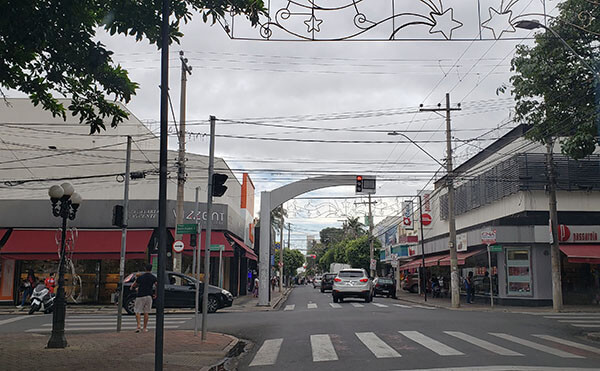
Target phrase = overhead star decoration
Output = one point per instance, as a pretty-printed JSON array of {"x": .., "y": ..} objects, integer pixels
[
  {"x": 313, "y": 24},
  {"x": 443, "y": 23},
  {"x": 499, "y": 22}
]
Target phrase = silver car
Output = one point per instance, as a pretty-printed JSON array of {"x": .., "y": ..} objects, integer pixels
[{"x": 352, "y": 283}]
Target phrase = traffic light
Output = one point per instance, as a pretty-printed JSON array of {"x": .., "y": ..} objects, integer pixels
[
  {"x": 117, "y": 218},
  {"x": 218, "y": 181},
  {"x": 359, "y": 180},
  {"x": 193, "y": 240}
]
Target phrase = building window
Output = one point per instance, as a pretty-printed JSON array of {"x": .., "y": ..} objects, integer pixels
[{"x": 518, "y": 271}]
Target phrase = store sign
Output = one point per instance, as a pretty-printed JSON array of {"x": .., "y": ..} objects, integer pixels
[
  {"x": 407, "y": 215},
  {"x": 579, "y": 233},
  {"x": 461, "y": 242},
  {"x": 488, "y": 236}
]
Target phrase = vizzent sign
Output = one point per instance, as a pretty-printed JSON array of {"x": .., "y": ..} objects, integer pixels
[{"x": 578, "y": 233}]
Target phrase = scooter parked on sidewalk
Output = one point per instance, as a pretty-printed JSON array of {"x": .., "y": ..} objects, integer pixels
[{"x": 41, "y": 299}]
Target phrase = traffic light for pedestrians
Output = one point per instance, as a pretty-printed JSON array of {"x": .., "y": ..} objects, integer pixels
[{"x": 218, "y": 181}]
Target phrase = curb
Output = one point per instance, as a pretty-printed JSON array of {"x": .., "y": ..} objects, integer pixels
[
  {"x": 232, "y": 350},
  {"x": 282, "y": 299}
]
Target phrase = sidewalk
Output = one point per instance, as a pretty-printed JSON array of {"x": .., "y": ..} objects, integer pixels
[{"x": 118, "y": 351}]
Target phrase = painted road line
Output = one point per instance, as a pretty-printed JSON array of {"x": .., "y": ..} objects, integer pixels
[
  {"x": 579, "y": 321},
  {"x": 569, "y": 343},
  {"x": 13, "y": 319},
  {"x": 505, "y": 368},
  {"x": 540, "y": 347},
  {"x": 322, "y": 348},
  {"x": 290, "y": 307},
  {"x": 380, "y": 305},
  {"x": 357, "y": 305},
  {"x": 267, "y": 354},
  {"x": 377, "y": 346},
  {"x": 483, "y": 344},
  {"x": 402, "y": 306},
  {"x": 572, "y": 318},
  {"x": 423, "y": 306},
  {"x": 112, "y": 323},
  {"x": 334, "y": 305},
  {"x": 590, "y": 326},
  {"x": 111, "y": 328},
  {"x": 312, "y": 306},
  {"x": 433, "y": 345}
]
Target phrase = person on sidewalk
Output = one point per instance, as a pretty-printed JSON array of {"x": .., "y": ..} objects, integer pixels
[
  {"x": 145, "y": 285},
  {"x": 469, "y": 287},
  {"x": 49, "y": 282},
  {"x": 255, "y": 291},
  {"x": 27, "y": 287}
]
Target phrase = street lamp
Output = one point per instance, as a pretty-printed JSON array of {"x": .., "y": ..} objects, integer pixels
[
  {"x": 394, "y": 133},
  {"x": 65, "y": 202}
]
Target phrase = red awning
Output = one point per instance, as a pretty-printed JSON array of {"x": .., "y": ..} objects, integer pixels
[
  {"x": 249, "y": 252},
  {"x": 430, "y": 261},
  {"x": 87, "y": 244},
  {"x": 216, "y": 238},
  {"x": 582, "y": 253},
  {"x": 461, "y": 257}
]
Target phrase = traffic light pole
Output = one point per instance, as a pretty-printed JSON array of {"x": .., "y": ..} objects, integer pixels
[
  {"x": 209, "y": 201},
  {"x": 124, "y": 233}
]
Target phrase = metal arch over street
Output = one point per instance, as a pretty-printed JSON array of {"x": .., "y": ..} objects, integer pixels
[{"x": 269, "y": 200}]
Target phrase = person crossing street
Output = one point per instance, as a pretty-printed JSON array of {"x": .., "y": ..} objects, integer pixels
[{"x": 145, "y": 285}]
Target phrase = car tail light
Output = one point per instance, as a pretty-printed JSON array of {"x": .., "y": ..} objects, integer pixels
[
  {"x": 375, "y": 285},
  {"x": 337, "y": 279},
  {"x": 364, "y": 280}
]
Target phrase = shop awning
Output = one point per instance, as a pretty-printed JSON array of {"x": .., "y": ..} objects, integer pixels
[
  {"x": 85, "y": 244},
  {"x": 430, "y": 261},
  {"x": 582, "y": 253},
  {"x": 461, "y": 257},
  {"x": 249, "y": 252},
  {"x": 216, "y": 238}
]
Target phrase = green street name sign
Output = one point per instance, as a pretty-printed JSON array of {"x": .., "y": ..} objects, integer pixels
[
  {"x": 495, "y": 248},
  {"x": 187, "y": 229},
  {"x": 216, "y": 248}
]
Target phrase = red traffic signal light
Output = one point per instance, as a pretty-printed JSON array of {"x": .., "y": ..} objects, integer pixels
[{"x": 359, "y": 184}]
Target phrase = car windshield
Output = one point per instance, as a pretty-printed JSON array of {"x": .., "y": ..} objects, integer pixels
[{"x": 350, "y": 274}]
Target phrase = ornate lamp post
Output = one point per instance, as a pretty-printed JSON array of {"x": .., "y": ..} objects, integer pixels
[{"x": 65, "y": 202}]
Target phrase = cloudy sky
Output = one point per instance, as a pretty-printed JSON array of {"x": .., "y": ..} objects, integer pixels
[{"x": 303, "y": 96}]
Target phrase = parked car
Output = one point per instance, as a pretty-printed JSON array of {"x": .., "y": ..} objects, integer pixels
[
  {"x": 316, "y": 282},
  {"x": 327, "y": 281},
  {"x": 352, "y": 283},
  {"x": 411, "y": 283},
  {"x": 481, "y": 285},
  {"x": 384, "y": 286},
  {"x": 180, "y": 292}
]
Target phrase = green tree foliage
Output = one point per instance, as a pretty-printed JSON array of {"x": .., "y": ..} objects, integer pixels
[
  {"x": 353, "y": 228},
  {"x": 357, "y": 252},
  {"x": 553, "y": 89},
  {"x": 330, "y": 236},
  {"x": 48, "y": 46},
  {"x": 292, "y": 260}
]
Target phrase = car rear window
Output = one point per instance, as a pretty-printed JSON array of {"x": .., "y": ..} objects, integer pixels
[
  {"x": 350, "y": 274},
  {"x": 385, "y": 280}
]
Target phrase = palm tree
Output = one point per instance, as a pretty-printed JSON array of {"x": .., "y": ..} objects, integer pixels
[{"x": 353, "y": 228}]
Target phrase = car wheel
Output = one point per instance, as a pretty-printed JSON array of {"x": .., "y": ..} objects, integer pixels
[
  {"x": 322, "y": 289},
  {"x": 130, "y": 305},
  {"x": 341, "y": 300},
  {"x": 213, "y": 304}
]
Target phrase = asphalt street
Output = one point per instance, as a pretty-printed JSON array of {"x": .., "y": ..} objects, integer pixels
[{"x": 310, "y": 332}]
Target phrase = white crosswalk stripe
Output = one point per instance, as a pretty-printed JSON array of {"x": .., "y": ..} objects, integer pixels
[
  {"x": 334, "y": 305},
  {"x": 579, "y": 321},
  {"x": 540, "y": 347},
  {"x": 290, "y": 307},
  {"x": 585, "y": 325},
  {"x": 267, "y": 354},
  {"x": 402, "y": 306},
  {"x": 312, "y": 306},
  {"x": 380, "y": 305},
  {"x": 108, "y": 323},
  {"x": 357, "y": 305},
  {"x": 569, "y": 343},
  {"x": 483, "y": 344},
  {"x": 379, "y": 348},
  {"x": 322, "y": 348},
  {"x": 431, "y": 344},
  {"x": 423, "y": 306}
]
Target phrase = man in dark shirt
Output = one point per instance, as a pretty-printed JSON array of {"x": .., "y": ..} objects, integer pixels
[{"x": 143, "y": 302}]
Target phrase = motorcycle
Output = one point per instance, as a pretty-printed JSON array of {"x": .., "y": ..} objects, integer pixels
[{"x": 41, "y": 299}]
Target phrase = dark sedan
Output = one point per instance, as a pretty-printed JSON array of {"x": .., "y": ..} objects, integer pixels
[
  {"x": 327, "y": 281},
  {"x": 384, "y": 287},
  {"x": 179, "y": 293}
]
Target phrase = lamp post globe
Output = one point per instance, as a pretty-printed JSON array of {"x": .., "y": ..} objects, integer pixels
[
  {"x": 76, "y": 199},
  {"x": 56, "y": 192},
  {"x": 68, "y": 187}
]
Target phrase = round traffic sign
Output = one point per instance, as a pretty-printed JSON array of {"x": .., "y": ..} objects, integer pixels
[
  {"x": 425, "y": 219},
  {"x": 281, "y": 264},
  {"x": 178, "y": 246}
]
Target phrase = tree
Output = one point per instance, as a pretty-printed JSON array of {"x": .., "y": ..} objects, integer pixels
[
  {"x": 330, "y": 236},
  {"x": 357, "y": 252},
  {"x": 48, "y": 46},
  {"x": 353, "y": 228},
  {"x": 553, "y": 89},
  {"x": 292, "y": 260}
]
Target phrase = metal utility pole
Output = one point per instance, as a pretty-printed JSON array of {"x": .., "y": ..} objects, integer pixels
[
  {"x": 371, "y": 247},
  {"x": 209, "y": 201},
  {"x": 455, "y": 289},
  {"x": 162, "y": 187},
  {"x": 289, "y": 232},
  {"x": 557, "y": 302},
  {"x": 196, "y": 263},
  {"x": 185, "y": 69},
  {"x": 281, "y": 250},
  {"x": 422, "y": 243},
  {"x": 124, "y": 233}
]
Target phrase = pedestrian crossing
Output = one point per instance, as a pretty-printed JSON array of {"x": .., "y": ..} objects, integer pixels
[
  {"x": 109, "y": 323},
  {"x": 579, "y": 320},
  {"x": 330, "y": 347},
  {"x": 310, "y": 305}
]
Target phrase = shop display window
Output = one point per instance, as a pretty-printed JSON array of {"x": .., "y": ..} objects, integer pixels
[{"x": 518, "y": 266}]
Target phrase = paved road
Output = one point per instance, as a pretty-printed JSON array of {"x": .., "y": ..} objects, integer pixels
[{"x": 311, "y": 333}]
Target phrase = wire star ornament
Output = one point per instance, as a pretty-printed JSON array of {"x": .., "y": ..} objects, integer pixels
[
  {"x": 313, "y": 24},
  {"x": 499, "y": 22},
  {"x": 444, "y": 23}
]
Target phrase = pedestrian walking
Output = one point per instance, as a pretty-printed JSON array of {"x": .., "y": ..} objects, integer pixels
[
  {"x": 27, "y": 287},
  {"x": 145, "y": 285},
  {"x": 255, "y": 291},
  {"x": 49, "y": 282},
  {"x": 469, "y": 287}
]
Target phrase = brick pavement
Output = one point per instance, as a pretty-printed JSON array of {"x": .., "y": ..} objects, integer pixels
[{"x": 117, "y": 351}]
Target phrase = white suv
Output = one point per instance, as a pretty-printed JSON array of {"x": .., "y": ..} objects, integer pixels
[{"x": 352, "y": 283}]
